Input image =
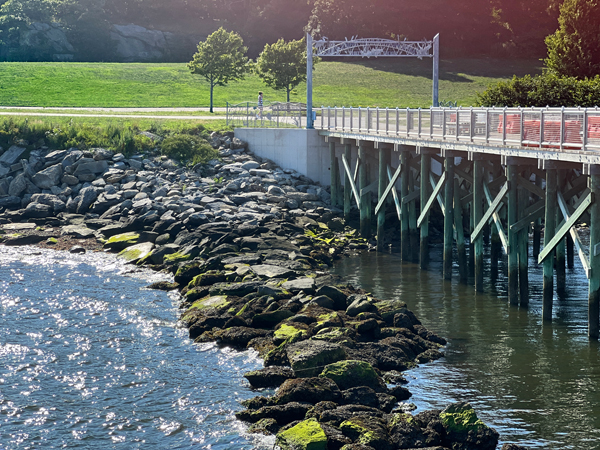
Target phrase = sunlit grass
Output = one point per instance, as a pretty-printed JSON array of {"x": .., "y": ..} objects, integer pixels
[{"x": 365, "y": 82}]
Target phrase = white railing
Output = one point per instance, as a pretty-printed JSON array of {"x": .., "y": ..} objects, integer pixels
[
  {"x": 556, "y": 128},
  {"x": 269, "y": 115}
]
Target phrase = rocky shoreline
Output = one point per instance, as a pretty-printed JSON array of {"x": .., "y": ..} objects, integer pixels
[{"x": 249, "y": 245}]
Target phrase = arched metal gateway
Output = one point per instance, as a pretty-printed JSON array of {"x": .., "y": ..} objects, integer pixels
[{"x": 370, "y": 48}]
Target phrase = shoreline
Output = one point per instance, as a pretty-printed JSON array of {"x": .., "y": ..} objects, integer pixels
[{"x": 250, "y": 246}]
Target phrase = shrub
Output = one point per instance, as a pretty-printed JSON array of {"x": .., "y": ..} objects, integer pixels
[
  {"x": 541, "y": 91},
  {"x": 188, "y": 148}
]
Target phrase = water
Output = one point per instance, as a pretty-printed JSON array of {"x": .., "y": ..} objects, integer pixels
[
  {"x": 537, "y": 383},
  {"x": 90, "y": 359}
]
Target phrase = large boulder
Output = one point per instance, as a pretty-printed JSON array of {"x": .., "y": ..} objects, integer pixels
[
  {"x": 137, "y": 252},
  {"x": 18, "y": 185},
  {"x": 269, "y": 376},
  {"x": 11, "y": 155},
  {"x": 48, "y": 177},
  {"x": 464, "y": 431},
  {"x": 309, "y": 357},
  {"x": 311, "y": 390},
  {"x": 307, "y": 435},
  {"x": 371, "y": 431},
  {"x": 350, "y": 373}
]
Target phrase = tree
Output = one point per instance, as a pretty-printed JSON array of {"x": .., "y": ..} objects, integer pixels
[
  {"x": 283, "y": 65},
  {"x": 220, "y": 59},
  {"x": 574, "y": 49}
]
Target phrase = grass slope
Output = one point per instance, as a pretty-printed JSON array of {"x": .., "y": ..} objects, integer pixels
[{"x": 382, "y": 82}]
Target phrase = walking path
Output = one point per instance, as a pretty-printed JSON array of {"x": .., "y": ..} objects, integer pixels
[{"x": 77, "y": 112}]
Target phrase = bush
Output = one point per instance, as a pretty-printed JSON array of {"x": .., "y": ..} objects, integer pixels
[
  {"x": 541, "y": 91},
  {"x": 188, "y": 148}
]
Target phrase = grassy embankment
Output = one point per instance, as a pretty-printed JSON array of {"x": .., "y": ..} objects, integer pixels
[{"x": 365, "y": 82}]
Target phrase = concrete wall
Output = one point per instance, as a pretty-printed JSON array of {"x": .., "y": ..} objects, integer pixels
[{"x": 291, "y": 148}]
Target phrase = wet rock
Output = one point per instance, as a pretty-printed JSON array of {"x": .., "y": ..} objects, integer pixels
[
  {"x": 513, "y": 447},
  {"x": 272, "y": 376},
  {"x": 308, "y": 358},
  {"x": 271, "y": 319},
  {"x": 464, "y": 431},
  {"x": 301, "y": 284},
  {"x": 371, "y": 431},
  {"x": 307, "y": 435},
  {"x": 239, "y": 337},
  {"x": 350, "y": 373},
  {"x": 264, "y": 426},
  {"x": 282, "y": 414},
  {"x": 136, "y": 252},
  {"x": 359, "y": 304},
  {"x": 77, "y": 249},
  {"x": 361, "y": 395},
  {"x": 311, "y": 390}
]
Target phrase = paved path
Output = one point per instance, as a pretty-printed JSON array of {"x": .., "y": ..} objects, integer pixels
[
  {"x": 115, "y": 109},
  {"x": 120, "y": 116}
]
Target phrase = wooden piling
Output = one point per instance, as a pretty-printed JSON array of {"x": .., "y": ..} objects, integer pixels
[
  {"x": 365, "y": 197},
  {"x": 347, "y": 188},
  {"x": 537, "y": 226},
  {"x": 412, "y": 221},
  {"x": 477, "y": 213},
  {"x": 425, "y": 193},
  {"x": 523, "y": 239},
  {"x": 549, "y": 229},
  {"x": 560, "y": 248},
  {"x": 594, "y": 283},
  {"x": 404, "y": 223},
  {"x": 449, "y": 216},
  {"x": 384, "y": 157},
  {"x": 333, "y": 174},
  {"x": 513, "y": 243},
  {"x": 460, "y": 235}
]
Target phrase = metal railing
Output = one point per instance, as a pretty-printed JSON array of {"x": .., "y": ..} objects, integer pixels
[
  {"x": 270, "y": 115},
  {"x": 556, "y": 128}
]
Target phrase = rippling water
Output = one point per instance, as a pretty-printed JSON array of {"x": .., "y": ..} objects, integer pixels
[
  {"x": 538, "y": 384},
  {"x": 90, "y": 359}
]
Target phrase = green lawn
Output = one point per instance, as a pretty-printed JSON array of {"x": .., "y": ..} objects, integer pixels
[{"x": 366, "y": 82}]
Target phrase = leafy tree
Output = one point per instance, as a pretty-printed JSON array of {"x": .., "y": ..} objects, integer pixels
[
  {"x": 283, "y": 65},
  {"x": 220, "y": 59},
  {"x": 574, "y": 49}
]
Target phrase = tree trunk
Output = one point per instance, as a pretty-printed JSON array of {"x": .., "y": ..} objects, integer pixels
[
  {"x": 288, "y": 94},
  {"x": 211, "y": 96}
]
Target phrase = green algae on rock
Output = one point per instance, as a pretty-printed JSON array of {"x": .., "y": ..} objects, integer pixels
[
  {"x": 307, "y": 435},
  {"x": 136, "y": 252},
  {"x": 122, "y": 241},
  {"x": 352, "y": 373}
]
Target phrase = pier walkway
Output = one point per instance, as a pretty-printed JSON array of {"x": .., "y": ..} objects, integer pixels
[{"x": 503, "y": 176}]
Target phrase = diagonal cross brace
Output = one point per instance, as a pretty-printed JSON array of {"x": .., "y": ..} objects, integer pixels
[
  {"x": 350, "y": 179},
  {"x": 560, "y": 234},
  {"x": 497, "y": 221},
  {"x": 429, "y": 204},
  {"x": 493, "y": 208},
  {"x": 576, "y": 241},
  {"x": 439, "y": 197},
  {"x": 395, "y": 194},
  {"x": 389, "y": 187}
]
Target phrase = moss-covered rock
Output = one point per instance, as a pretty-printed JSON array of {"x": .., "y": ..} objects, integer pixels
[
  {"x": 215, "y": 301},
  {"x": 307, "y": 435},
  {"x": 464, "y": 430},
  {"x": 207, "y": 279},
  {"x": 307, "y": 358},
  {"x": 371, "y": 431},
  {"x": 311, "y": 390},
  {"x": 271, "y": 319},
  {"x": 387, "y": 309},
  {"x": 122, "y": 241},
  {"x": 288, "y": 333},
  {"x": 352, "y": 373},
  {"x": 176, "y": 257},
  {"x": 136, "y": 252},
  {"x": 51, "y": 241}
]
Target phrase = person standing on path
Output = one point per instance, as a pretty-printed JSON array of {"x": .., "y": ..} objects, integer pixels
[{"x": 260, "y": 105}]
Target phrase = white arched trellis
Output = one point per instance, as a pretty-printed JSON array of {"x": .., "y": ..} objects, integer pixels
[{"x": 367, "y": 48}]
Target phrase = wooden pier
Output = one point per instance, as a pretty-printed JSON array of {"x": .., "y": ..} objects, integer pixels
[{"x": 508, "y": 173}]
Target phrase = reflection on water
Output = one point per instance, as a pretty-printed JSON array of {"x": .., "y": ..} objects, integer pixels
[
  {"x": 92, "y": 360},
  {"x": 538, "y": 384}
]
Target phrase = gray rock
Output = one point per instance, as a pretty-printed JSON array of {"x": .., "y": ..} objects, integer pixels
[
  {"x": 238, "y": 144},
  {"x": 86, "y": 197},
  {"x": 250, "y": 165},
  {"x": 269, "y": 271},
  {"x": 76, "y": 249},
  {"x": 359, "y": 304},
  {"x": 308, "y": 358},
  {"x": 53, "y": 201},
  {"x": 37, "y": 210},
  {"x": 11, "y": 155},
  {"x": 18, "y": 185},
  {"x": 71, "y": 158},
  {"x": 48, "y": 177},
  {"x": 89, "y": 166},
  {"x": 70, "y": 180},
  {"x": 5, "y": 185},
  {"x": 55, "y": 155},
  {"x": 101, "y": 154},
  {"x": 79, "y": 231},
  {"x": 9, "y": 201}
]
